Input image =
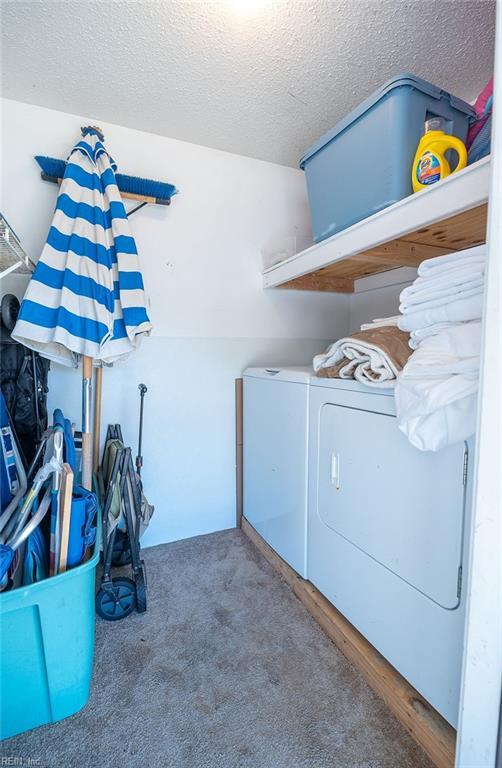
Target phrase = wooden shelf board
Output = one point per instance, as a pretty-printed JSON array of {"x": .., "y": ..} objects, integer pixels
[
  {"x": 450, "y": 216},
  {"x": 461, "y": 231}
]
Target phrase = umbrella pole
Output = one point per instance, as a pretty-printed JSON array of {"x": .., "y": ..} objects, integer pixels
[
  {"x": 86, "y": 423},
  {"x": 98, "y": 383}
]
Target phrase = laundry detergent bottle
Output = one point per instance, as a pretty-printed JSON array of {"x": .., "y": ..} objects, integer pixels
[{"x": 430, "y": 163}]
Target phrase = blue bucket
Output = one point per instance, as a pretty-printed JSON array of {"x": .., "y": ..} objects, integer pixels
[{"x": 47, "y": 648}]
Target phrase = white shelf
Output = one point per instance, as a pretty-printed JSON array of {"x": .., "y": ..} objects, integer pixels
[{"x": 404, "y": 234}]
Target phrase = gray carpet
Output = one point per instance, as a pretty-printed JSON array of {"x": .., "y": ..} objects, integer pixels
[{"x": 226, "y": 669}]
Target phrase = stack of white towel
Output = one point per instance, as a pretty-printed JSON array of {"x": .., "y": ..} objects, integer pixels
[{"x": 436, "y": 394}]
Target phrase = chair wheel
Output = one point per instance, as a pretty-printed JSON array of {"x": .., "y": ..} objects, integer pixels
[
  {"x": 140, "y": 591},
  {"x": 112, "y": 606},
  {"x": 9, "y": 309}
]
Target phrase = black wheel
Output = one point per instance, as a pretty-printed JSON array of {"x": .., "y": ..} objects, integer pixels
[
  {"x": 118, "y": 603},
  {"x": 121, "y": 550},
  {"x": 10, "y": 310},
  {"x": 140, "y": 591}
]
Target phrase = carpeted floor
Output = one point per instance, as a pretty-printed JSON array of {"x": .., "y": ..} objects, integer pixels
[{"x": 225, "y": 670}]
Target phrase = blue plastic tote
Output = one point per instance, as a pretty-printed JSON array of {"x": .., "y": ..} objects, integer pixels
[
  {"x": 47, "y": 648},
  {"x": 364, "y": 163}
]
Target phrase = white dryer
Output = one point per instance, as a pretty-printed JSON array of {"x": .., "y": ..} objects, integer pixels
[
  {"x": 275, "y": 458},
  {"x": 386, "y": 534}
]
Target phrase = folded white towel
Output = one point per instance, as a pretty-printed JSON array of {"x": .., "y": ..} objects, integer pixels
[
  {"x": 440, "y": 264},
  {"x": 416, "y": 337},
  {"x": 447, "y": 271},
  {"x": 450, "y": 351},
  {"x": 368, "y": 369},
  {"x": 366, "y": 362},
  {"x": 380, "y": 322},
  {"x": 424, "y": 286},
  {"x": 436, "y": 298},
  {"x": 447, "y": 278},
  {"x": 458, "y": 311},
  {"x": 436, "y": 393}
]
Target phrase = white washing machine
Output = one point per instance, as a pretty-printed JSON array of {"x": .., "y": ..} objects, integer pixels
[
  {"x": 275, "y": 412},
  {"x": 386, "y": 534}
]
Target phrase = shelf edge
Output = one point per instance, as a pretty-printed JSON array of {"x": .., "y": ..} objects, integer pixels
[{"x": 459, "y": 192}]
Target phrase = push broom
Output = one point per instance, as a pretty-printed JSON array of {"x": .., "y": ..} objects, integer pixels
[{"x": 131, "y": 187}]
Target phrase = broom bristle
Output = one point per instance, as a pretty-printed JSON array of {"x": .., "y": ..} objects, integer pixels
[
  {"x": 51, "y": 167},
  {"x": 135, "y": 185}
]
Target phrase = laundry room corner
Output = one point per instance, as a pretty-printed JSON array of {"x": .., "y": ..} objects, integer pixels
[
  {"x": 201, "y": 261},
  {"x": 250, "y": 366}
]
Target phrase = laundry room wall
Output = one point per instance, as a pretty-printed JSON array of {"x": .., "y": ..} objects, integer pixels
[
  {"x": 378, "y": 296},
  {"x": 201, "y": 262}
]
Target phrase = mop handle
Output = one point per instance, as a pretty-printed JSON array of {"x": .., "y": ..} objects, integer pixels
[{"x": 139, "y": 458}]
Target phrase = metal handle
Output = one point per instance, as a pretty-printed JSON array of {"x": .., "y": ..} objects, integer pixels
[
  {"x": 143, "y": 389},
  {"x": 335, "y": 470}
]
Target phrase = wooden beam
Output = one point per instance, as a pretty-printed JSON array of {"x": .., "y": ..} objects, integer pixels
[
  {"x": 280, "y": 565},
  {"x": 339, "y": 277},
  {"x": 86, "y": 422},
  {"x": 319, "y": 281},
  {"x": 123, "y": 195},
  {"x": 65, "y": 515},
  {"x": 238, "y": 451},
  {"x": 430, "y": 730},
  {"x": 98, "y": 396},
  {"x": 464, "y": 230},
  {"x": 404, "y": 253}
]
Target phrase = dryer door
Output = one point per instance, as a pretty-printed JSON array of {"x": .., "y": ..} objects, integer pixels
[{"x": 402, "y": 506}]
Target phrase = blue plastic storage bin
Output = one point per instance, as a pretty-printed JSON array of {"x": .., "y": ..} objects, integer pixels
[
  {"x": 47, "y": 648},
  {"x": 364, "y": 163}
]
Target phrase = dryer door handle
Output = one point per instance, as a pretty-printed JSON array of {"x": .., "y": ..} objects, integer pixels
[{"x": 335, "y": 470}]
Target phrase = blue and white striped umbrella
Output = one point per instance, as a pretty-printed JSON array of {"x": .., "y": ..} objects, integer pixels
[{"x": 86, "y": 295}]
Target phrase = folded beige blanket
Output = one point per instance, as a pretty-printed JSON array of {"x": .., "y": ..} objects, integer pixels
[{"x": 374, "y": 356}]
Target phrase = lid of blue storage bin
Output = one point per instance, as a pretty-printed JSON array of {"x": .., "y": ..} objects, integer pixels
[{"x": 395, "y": 82}]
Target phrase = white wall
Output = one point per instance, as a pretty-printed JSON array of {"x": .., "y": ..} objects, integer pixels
[
  {"x": 201, "y": 262},
  {"x": 479, "y": 743},
  {"x": 378, "y": 296}
]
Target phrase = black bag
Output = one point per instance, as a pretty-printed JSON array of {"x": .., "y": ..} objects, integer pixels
[{"x": 23, "y": 379}]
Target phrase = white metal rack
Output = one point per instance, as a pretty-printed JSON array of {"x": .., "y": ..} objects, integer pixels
[{"x": 12, "y": 255}]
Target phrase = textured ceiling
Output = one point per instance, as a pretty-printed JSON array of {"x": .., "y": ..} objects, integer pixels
[{"x": 260, "y": 78}]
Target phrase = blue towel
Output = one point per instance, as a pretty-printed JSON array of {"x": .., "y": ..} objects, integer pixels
[{"x": 35, "y": 566}]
